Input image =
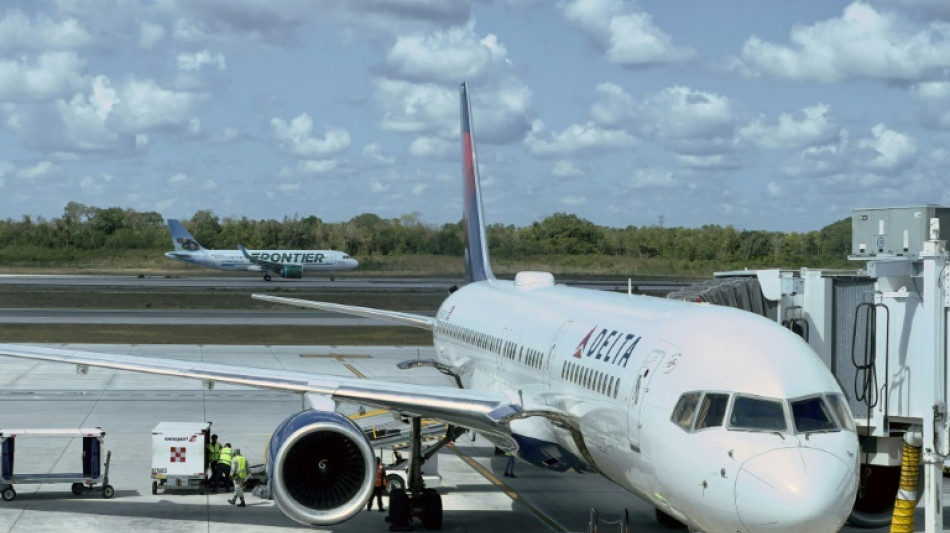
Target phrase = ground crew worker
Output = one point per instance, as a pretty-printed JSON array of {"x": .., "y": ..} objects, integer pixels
[
  {"x": 238, "y": 475},
  {"x": 214, "y": 451},
  {"x": 224, "y": 466},
  {"x": 378, "y": 487},
  {"x": 510, "y": 465}
]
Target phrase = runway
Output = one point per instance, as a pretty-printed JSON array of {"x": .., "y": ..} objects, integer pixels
[
  {"x": 128, "y": 405},
  {"x": 256, "y": 283}
]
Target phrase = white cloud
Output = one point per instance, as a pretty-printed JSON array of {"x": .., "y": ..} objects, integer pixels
[
  {"x": 445, "y": 56},
  {"x": 863, "y": 43},
  {"x": 567, "y": 169},
  {"x": 577, "y": 139},
  {"x": 37, "y": 171},
  {"x": 316, "y": 166},
  {"x": 198, "y": 60},
  {"x": 296, "y": 138},
  {"x": 894, "y": 151},
  {"x": 651, "y": 178},
  {"x": 432, "y": 148},
  {"x": 373, "y": 153},
  {"x": 628, "y": 37},
  {"x": 690, "y": 122},
  {"x": 146, "y": 106},
  {"x": 813, "y": 125},
  {"x": 51, "y": 75},
  {"x": 20, "y": 32},
  {"x": 614, "y": 105}
]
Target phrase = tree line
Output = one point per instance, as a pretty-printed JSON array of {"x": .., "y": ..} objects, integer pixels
[{"x": 92, "y": 230}]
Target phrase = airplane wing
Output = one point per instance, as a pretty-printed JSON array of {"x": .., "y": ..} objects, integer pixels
[
  {"x": 406, "y": 319},
  {"x": 482, "y": 411}
]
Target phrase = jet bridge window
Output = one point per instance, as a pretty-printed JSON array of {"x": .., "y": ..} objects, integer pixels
[
  {"x": 685, "y": 409},
  {"x": 758, "y": 414},
  {"x": 812, "y": 414}
]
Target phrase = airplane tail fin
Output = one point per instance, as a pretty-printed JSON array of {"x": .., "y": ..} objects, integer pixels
[
  {"x": 477, "y": 263},
  {"x": 181, "y": 239}
]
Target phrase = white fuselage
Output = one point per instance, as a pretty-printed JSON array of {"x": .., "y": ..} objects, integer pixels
[
  {"x": 310, "y": 260},
  {"x": 618, "y": 364}
]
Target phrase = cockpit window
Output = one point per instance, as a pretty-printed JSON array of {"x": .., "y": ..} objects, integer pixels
[
  {"x": 758, "y": 414},
  {"x": 712, "y": 410},
  {"x": 812, "y": 414},
  {"x": 685, "y": 409},
  {"x": 842, "y": 411}
]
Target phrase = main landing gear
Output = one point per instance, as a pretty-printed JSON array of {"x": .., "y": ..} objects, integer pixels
[
  {"x": 418, "y": 501},
  {"x": 266, "y": 277}
]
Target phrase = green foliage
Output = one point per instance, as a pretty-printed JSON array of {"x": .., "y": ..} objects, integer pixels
[{"x": 562, "y": 242}]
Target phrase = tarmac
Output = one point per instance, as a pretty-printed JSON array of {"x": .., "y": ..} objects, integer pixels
[{"x": 476, "y": 496}]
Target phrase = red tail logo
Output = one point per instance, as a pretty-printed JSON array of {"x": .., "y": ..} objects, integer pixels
[{"x": 583, "y": 344}]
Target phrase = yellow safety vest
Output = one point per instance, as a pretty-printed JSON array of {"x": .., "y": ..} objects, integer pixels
[
  {"x": 214, "y": 451},
  {"x": 225, "y": 456},
  {"x": 241, "y": 470}
]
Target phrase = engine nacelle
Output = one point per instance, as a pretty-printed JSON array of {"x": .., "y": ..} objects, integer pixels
[
  {"x": 291, "y": 271},
  {"x": 321, "y": 468}
]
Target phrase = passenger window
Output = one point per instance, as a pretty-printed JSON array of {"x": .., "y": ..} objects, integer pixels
[
  {"x": 758, "y": 414},
  {"x": 842, "y": 411},
  {"x": 712, "y": 411},
  {"x": 684, "y": 410},
  {"x": 811, "y": 414}
]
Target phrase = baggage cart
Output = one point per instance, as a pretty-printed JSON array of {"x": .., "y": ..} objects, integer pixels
[
  {"x": 95, "y": 472},
  {"x": 180, "y": 456}
]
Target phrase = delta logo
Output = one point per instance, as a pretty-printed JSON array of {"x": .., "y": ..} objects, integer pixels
[{"x": 608, "y": 345}]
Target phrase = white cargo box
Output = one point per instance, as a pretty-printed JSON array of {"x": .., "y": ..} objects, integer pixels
[{"x": 179, "y": 455}]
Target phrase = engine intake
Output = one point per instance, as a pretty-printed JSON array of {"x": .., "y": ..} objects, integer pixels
[
  {"x": 291, "y": 271},
  {"x": 321, "y": 467}
]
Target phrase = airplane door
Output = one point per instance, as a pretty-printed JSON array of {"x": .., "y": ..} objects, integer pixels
[
  {"x": 549, "y": 364},
  {"x": 639, "y": 390}
]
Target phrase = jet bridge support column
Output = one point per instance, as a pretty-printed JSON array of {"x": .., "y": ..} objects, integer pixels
[{"x": 934, "y": 257}]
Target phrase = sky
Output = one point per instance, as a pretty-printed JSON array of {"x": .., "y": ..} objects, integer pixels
[{"x": 758, "y": 115}]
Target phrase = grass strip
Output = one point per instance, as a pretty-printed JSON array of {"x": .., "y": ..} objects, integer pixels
[{"x": 203, "y": 334}]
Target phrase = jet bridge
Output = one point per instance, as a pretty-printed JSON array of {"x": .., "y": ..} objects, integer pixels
[{"x": 882, "y": 331}]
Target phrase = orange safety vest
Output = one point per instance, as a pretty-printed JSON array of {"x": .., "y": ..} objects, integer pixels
[{"x": 380, "y": 476}]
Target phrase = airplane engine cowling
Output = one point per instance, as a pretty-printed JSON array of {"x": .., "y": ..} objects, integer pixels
[
  {"x": 320, "y": 467},
  {"x": 291, "y": 271}
]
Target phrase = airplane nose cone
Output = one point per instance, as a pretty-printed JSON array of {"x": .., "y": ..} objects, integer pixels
[{"x": 791, "y": 490}]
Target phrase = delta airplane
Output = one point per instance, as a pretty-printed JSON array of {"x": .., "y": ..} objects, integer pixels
[
  {"x": 285, "y": 263},
  {"x": 721, "y": 419}
]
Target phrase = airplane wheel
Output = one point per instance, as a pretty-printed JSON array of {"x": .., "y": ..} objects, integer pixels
[
  {"x": 432, "y": 509},
  {"x": 332, "y": 278},
  {"x": 154, "y": 488},
  {"x": 400, "y": 509},
  {"x": 394, "y": 482},
  {"x": 9, "y": 494},
  {"x": 77, "y": 488},
  {"x": 266, "y": 277}
]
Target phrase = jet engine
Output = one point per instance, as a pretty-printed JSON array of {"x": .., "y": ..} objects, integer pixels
[
  {"x": 320, "y": 467},
  {"x": 291, "y": 271}
]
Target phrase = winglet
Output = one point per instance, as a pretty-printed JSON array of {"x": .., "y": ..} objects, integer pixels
[
  {"x": 181, "y": 239},
  {"x": 477, "y": 263}
]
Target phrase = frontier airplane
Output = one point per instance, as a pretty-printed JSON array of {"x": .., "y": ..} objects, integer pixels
[
  {"x": 721, "y": 419},
  {"x": 285, "y": 263}
]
